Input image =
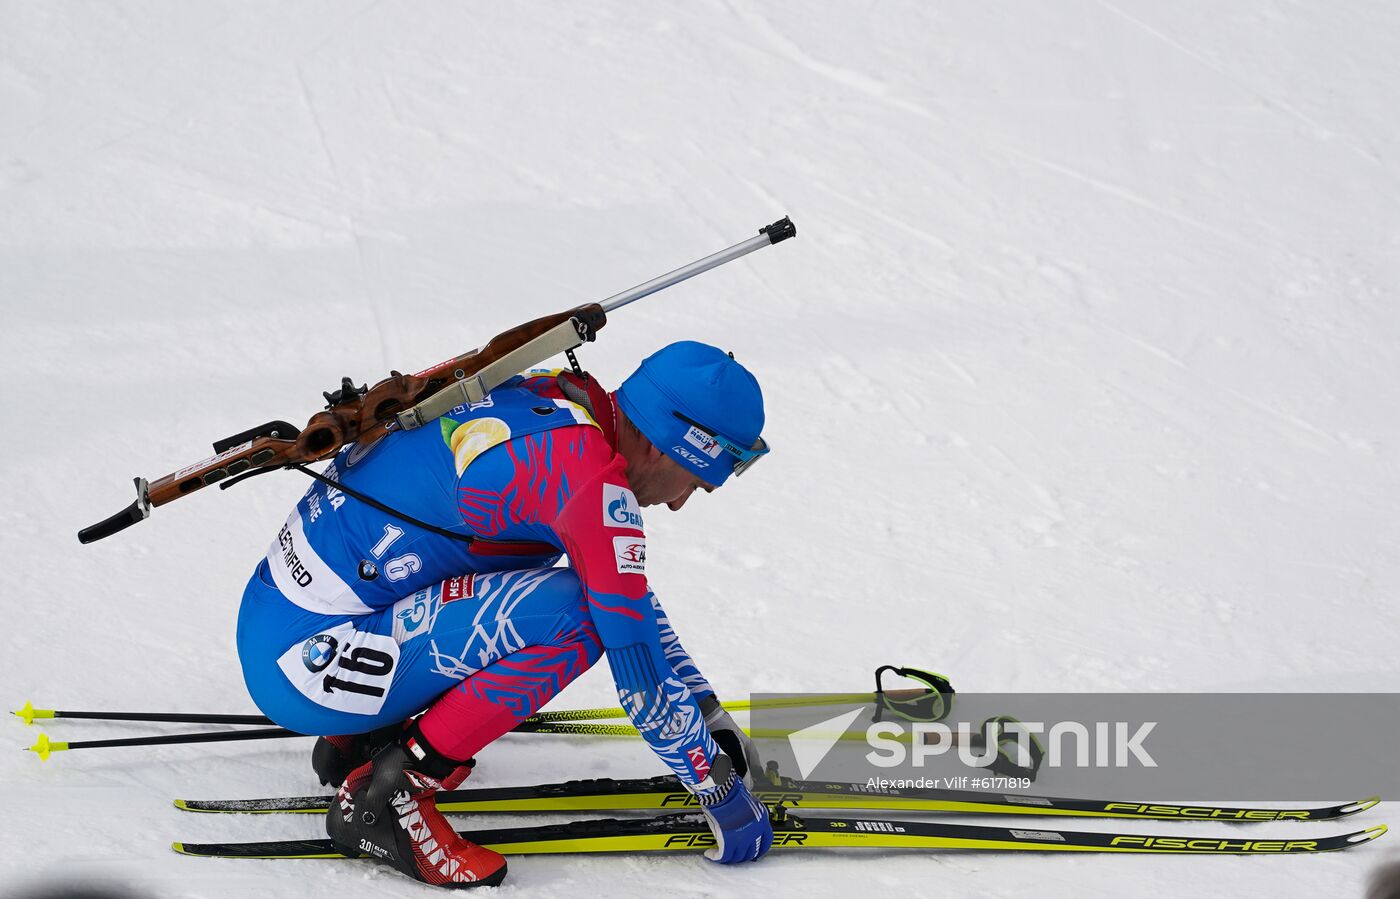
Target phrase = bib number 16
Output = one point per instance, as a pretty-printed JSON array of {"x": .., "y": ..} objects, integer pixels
[{"x": 374, "y": 664}]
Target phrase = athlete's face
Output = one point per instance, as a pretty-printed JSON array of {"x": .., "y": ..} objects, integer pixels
[{"x": 657, "y": 479}]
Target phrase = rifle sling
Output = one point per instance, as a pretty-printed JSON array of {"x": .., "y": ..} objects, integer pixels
[{"x": 474, "y": 387}]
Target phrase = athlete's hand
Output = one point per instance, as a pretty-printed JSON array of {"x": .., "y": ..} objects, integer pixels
[
  {"x": 731, "y": 739},
  {"x": 739, "y": 822}
]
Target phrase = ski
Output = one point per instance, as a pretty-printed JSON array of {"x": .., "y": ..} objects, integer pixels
[
  {"x": 690, "y": 832},
  {"x": 661, "y": 793}
]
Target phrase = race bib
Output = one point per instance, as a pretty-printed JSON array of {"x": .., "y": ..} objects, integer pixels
[{"x": 343, "y": 669}]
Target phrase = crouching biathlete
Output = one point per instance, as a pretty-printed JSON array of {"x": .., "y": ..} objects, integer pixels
[{"x": 360, "y": 618}]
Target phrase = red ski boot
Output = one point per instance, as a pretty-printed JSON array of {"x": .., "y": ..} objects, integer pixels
[{"x": 387, "y": 809}]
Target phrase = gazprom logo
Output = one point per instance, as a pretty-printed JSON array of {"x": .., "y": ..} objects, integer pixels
[{"x": 620, "y": 509}]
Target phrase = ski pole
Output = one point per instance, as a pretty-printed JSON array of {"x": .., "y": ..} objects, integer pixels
[
  {"x": 44, "y": 747},
  {"x": 29, "y": 713},
  {"x": 928, "y": 703}
]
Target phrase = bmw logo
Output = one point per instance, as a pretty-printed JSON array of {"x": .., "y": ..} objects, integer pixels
[
  {"x": 368, "y": 570},
  {"x": 318, "y": 652}
]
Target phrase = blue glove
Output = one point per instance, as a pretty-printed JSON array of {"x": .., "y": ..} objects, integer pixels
[{"x": 739, "y": 822}]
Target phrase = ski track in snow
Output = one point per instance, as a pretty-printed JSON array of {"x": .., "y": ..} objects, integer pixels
[
  {"x": 1080, "y": 374},
  {"x": 1317, "y": 129}
]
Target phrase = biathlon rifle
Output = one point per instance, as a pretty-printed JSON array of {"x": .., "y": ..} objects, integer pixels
[{"x": 403, "y": 402}]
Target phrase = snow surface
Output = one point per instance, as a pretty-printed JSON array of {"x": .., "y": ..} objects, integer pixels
[{"x": 1082, "y": 372}]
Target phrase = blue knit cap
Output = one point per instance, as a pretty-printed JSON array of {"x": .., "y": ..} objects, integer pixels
[{"x": 718, "y": 396}]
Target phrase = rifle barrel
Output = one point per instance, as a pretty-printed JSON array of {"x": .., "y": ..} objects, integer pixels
[{"x": 779, "y": 230}]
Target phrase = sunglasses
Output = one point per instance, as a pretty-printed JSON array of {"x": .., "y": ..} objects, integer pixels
[{"x": 745, "y": 458}]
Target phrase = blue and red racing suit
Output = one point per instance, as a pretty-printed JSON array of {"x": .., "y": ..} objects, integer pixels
[{"x": 357, "y": 618}]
